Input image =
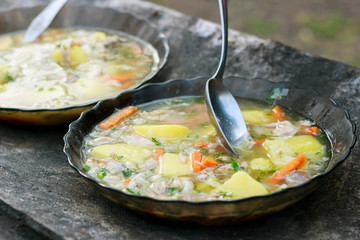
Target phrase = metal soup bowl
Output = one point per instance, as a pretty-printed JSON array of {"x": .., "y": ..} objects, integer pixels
[
  {"x": 307, "y": 103},
  {"x": 91, "y": 17}
]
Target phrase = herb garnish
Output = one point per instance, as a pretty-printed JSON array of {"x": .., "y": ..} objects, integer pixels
[
  {"x": 234, "y": 164},
  {"x": 102, "y": 173},
  {"x": 132, "y": 192},
  {"x": 157, "y": 143},
  {"x": 86, "y": 168},
  {"x": 127, "y": 173},
  {"x": 172, "y": 191}
]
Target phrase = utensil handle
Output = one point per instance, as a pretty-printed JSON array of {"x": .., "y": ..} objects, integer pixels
[{"x": 224, "y": 30}]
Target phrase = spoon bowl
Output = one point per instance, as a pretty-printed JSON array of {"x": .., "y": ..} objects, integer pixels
[{"x": 223, "y": 110}]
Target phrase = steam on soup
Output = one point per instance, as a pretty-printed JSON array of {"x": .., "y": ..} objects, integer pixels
[
  {"x": 169, "y": 150},
  {"x": 67, "y": 67}
]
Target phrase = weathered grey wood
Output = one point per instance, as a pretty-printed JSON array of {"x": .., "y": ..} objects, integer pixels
[{"x": 39, "y": 187}]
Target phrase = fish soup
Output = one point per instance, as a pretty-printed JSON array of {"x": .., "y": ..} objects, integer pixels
[
  {"x": 169, "y": 150},
  {"x": 71, "y": 67}
]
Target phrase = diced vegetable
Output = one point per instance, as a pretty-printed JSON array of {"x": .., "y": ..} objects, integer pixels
[
  {"x": 260, "y": 164},
  {"x": 311, "y": 131},
  {"x": 208, "y": 130},
  {"x": 257, "y": 116},
  {"x": 208, "y": 162},
  {"x": 242, "y": 185},
  {"x": 291, "y": 166},
  {"x": 307, "y": 145},
  {"x": 77, "y": 56},
  {"x": 279, "y": 151},
  {"x": 158, "y": 153},
  {"x": 205, "y": 186},
  {"x": 196, "y": 160},
  {"x": 278, "y": 114},
  {"x": 118, "y": 117},
  {"x": 132, "y": 153},
  {"x": 201, "y": 145},
  {"x": 283, "y": 151},
  {"x": 171, "y": 165},
  {"x": 120, "y": 78},
  {"x": 258, "y": 142},
  {"x": 161, "y": 132}
]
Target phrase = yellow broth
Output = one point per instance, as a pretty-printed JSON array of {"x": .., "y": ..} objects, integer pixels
[
  {"x": 169, "y": 150},
  {"x": 71, "y": 67}
]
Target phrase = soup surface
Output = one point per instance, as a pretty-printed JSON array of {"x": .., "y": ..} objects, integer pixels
[
  {"x": 69, "y": 67},
  {"x": 169, "y": 150}
]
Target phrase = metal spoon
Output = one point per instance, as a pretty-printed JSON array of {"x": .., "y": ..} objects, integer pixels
[
  {"x": 223, "y": 110},
  {"x": 43, "y": 20}
]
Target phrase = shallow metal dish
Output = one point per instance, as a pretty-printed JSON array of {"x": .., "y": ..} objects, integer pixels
[
  {"x": 333, "y": 120},
  {"x": 86, "y": 16}
]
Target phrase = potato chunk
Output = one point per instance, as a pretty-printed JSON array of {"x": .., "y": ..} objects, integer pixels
[
  {"x": 279, "y": 151},
  {"x": 257, "y": 116},
  {"x": 283, "y": 151},
  {"x": 171, "y": 165},
  {"x": 307, "y": 145},
  {"x": 260, "y": 164},
  {"x": 242, "y": 185},
  {"x": 77, "y": 56},
  {"x": 122, "y": 152},
  {"x": 161, "y": 132}
]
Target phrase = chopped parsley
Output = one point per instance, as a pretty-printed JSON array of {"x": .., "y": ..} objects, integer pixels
[
  {"x": 102, "y": 173},
  {"x": 271, "y": 171},
  {"x": 127, "y": 173},
  {"x": 216, "y": 155},
  {"x": 268, "y": 97},
  {"x": 86, "y": 168},
  {"x": 234, "y": 165},
  {"x": 9, "y": 77},
  {"x": 132, "y": 192},
  {"x": 174, "y": 190},
  {"x": 119, "y": 157},
  {"x": 157, "y": 143}
]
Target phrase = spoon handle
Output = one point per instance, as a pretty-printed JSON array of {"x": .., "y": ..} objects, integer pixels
[
  {"x": 224, "y": 23},
  {"x": 43, "y": 20}
]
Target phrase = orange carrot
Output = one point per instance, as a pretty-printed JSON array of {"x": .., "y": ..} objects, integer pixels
[
  {"x": 117, "y": 117},
  {"x": 201, "y": 145},
  {"x": 158, "y": 153},
  {"x": 196, "y": 160},
  {"x": 311, "y": 131},
  {"x": 291, "y": 166},
  {"x": 127, "y": 181},
  {"x": 278, "y": 114},
  {"x": 120, "y": 78},
  {"x": 78, "y": 43},
  {"x": 209, "y": 162},
  {"x": 258, "y": 142}
]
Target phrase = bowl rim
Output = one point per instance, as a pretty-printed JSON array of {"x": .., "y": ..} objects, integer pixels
[
  {"x": 163, "y": 60},
  {"x": 196, "y": 203}
]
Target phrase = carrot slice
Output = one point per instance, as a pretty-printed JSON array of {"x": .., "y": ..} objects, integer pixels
[
  {"x": 158, "y": 153},
  {"x": 258, "y": 142},
  {"x": 209, "y": 162},
  {"x": 127, "y": 181},
  {"x": 117, "y": 117},
  {"x": 201, "y": 145},
  {"x": 196, "y": 160},
  {"x": 120, "y": 78},
  {"x": 278, "y": 114},
  {"x": 291, "y": 166},
  {"x": 311, "y": 131}
]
